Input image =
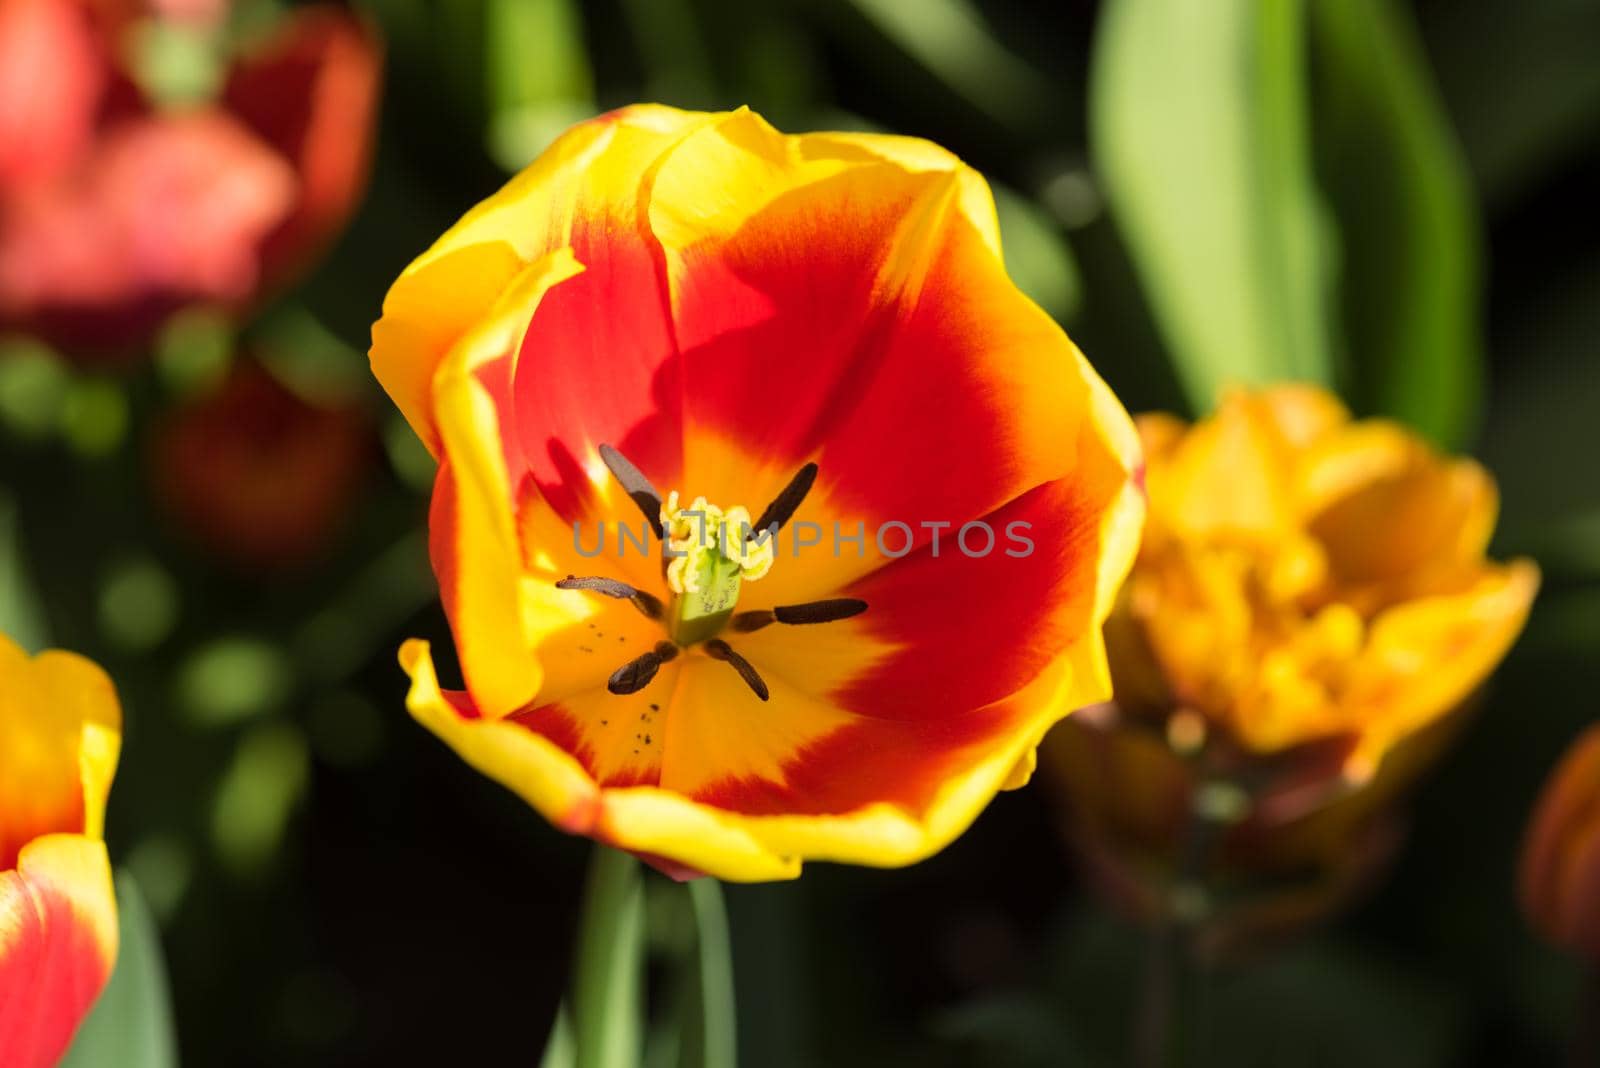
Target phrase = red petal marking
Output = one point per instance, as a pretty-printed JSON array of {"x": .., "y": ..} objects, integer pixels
[
  {"x": 606, "y": 732},
  {"x": 778, "y": 326},
  {"x": 673, "y": 870},
  {"x": 442, "y": 536},
  {"x": 860, "y": 321},
  {"x": 871, "y": 760},
  {"x": 52, "y": 968},
  {"x": 597, "y": 367},
  {"x": 968, "y": 631}
]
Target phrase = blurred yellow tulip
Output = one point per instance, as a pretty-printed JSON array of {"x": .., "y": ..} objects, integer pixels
[{"x": 1311, "y": 604}]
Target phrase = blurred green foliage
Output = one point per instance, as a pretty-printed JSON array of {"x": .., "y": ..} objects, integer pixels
[
  {"x": 1199, "y": 125},
  {"x": 131, "y": 1025}
]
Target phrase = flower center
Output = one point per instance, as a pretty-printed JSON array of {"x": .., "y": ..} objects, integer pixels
[{"x": 708, "y": 553}]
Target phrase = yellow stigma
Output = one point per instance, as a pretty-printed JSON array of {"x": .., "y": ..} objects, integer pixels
[{"x": 697, "y": 532}]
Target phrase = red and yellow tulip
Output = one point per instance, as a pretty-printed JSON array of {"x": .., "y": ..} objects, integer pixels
[
  {"x": 1561, "y": 860},
  {"x": 701, "y": 303},
  {"x": 60, "y": 730}
]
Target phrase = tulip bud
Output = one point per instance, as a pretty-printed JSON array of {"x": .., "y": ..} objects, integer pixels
[{"x": 1561, "y": 858}]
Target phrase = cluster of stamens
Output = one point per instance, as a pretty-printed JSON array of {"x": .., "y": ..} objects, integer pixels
[{"x": 708, "y": 553}]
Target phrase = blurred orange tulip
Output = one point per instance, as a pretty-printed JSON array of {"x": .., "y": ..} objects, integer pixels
[
  {"x": 1310, "y": 605},
  {"x": 114, "y": 213},
  {"x": 1561, "y": 861}
]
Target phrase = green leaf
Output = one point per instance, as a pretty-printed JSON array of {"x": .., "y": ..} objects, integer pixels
[
  {"x": 131, "y": 1025},
  {"x": 1037, "y": 255},
  {"x": 709, "y": 1035},
  {"x": 21, "y": 615},
  {"x": 560, "y": 1049},
  {"x": 1198, "y": 116},
  {"x": 1411, "y": 247},
  {"x": 951, "y": 40},
  {"x": 608, "y": 987},
  {"x": 539, "y": 78}
]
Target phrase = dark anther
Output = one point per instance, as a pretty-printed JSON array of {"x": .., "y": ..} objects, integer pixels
[
  {"x": 820, "y": 611},
  {"x": 783, "y": 506},
  {"x": 636, "y": 674},
  {"x": 647, "y": 603},
  {"x": 718, "y": 649},
  {"x": 635, "y": 484},
  {"x": 810, "y": 612}
]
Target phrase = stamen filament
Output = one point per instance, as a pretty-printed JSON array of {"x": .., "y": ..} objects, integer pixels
[
  {"x": 718, "y": 649},
  {"x": 647, "y": 603}
]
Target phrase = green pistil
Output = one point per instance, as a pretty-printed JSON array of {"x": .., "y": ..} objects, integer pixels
[{"x": 698, "y": 614}]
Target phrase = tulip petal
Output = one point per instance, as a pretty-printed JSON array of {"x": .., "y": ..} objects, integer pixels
[
  {"x": 1044, "y": 570},
  {"x": 1582, "y": 897},
  {"x": 1231, "y": 474},
  {"x": 1423, "y": 658},
  {"x": 58, "y": 941},
  {"x": 835, "y": 306},
  {"x": 875, "y": 792},
  {"x": 542, "y": 774},
  {"x": 1563, "y": 848},
  {"x": 598, "y": 367},
  {"x": 51, "y": 80},
  {"x": 169, "y": 210},
  {"x": 1391, "y": 511},
  {"x": 591, "y": 173},
  {"x": 60, "y": 729},
  {"x": 920, "y": 799},
  {"x": 474, "y": 539}
]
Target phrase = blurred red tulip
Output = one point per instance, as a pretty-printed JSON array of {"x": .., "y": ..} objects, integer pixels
[
  {"x": 114, "y": 213},
  {"x": 1561, "y": 860},
  {"x": 257, "y": 474},
  {"x": 52, "y": 74},
  {"x": 311, "y": 93},
  {"x": 167, "y": 211}
]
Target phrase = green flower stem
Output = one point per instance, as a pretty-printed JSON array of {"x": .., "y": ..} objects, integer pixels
[
  {"x": 608, "y": 987},
  {"x": 717, "y": 1035},
  {"x": 1166, "y": 1009}
]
